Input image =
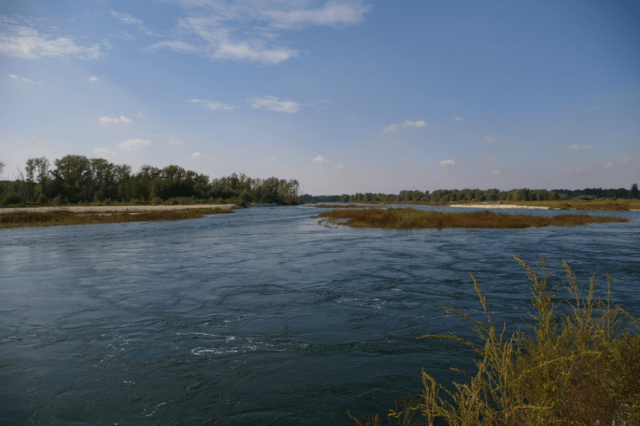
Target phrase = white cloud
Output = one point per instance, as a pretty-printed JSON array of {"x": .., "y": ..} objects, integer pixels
[
  {"x": 495, "y": 172},
  {"x": 247, "y": 30},
  {"x": 628, "y": 158},
  {"x": 338, "y": 166},
  {"x": 491, "y": 159},
  {"x": 140, "y": 115},
  {"x": 134, "y": 144},
  {"x": 576, "y": 146},
  {"x": 196, "y": 155},
  {"x": 272, "y": 159},
  {"x": 390, "y": 128},
  {"x": 271, "y": 103},
  {"x": 419, "y": 123},
  {"x": 490, "y": 139},
  {"x": 320, "y": 159},
  {"x": 609, "y": 164},
  {"x": 104, "y": 152},
  {"x": 572, "y": 170},
  {"x": 93, "y": 78},
  {"x": 456, "y": 118},
  {"x": 446, "y": 163},
  {"x": 17, "y": 77},
  {"x": 122, "y": 118},
  {"x": 215, "y": 106},
  {"x": 20, "y": 38}
]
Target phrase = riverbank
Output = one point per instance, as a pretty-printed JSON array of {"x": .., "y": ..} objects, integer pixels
[
  {"x": 84, "y": 215},
  {"x": 104, "y": 209},
  {"x": 499, "y": 206}
]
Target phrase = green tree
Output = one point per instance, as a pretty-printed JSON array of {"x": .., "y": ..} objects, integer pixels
[{"x": 634, "y": 190}]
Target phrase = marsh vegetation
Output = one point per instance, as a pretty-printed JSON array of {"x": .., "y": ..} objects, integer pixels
[
  {"x": 63, "y": 217},
  {"x": 409, "y": 218}
]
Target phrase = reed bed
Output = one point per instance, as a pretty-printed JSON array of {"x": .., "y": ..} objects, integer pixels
[
  {"x": 35, "y": 219},
  {"x": 577, "y": 363},
  {"x": 604, "y": 205},
  {"x": 408, "y": 218}
]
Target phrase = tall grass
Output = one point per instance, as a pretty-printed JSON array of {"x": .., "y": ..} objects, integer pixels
[
  {"x": 577, "y": 364},
  {"x": 407, "y": 218},
  {"x": 33, "y": 219}
]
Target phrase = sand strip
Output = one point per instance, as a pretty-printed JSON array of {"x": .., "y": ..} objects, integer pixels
[{"x": 498, "y": 206}]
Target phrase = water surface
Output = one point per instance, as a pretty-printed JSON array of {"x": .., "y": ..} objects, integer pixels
[{"x": 262, "y": 316}]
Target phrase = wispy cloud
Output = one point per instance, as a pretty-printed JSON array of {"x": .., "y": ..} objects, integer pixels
[
  {"x": 446, "y": 163},
  {"x": 390, "y": 128},
  {"x": 572, "y": 170},
  {"x": 122, "y": 118},
  {"x": 104, "y": 152},
  {"x": 419, "y": 123},
  {"x": 215, "y": 106},
  {"x": 320, "y": 159},
  {"x": 139, "y": 115},
  {"x": 22, "y": 38},
  {"x": 609, "y": 164},
  {"x": 338, "y": 166},
  {"x": 490, "y": 139},
  {"x": 174, "y": 140},
  {"x": 495, "y": 173},
  {"x": 491, "y": 159},
  {"x": 576, "y": 146},
  {"x": 456, "y": 118},
  {"x": 628, "y": 158},
  {"x": 198, "y": 156},
  {"x": 130, "y": 20},
  {"x": 247, "y": 30},
  {"x": 17, "y": 77},
  {"x": 93, "y": 78},
  {"x": 134, "y": 144},
  {"x": 271, "y": 103}
]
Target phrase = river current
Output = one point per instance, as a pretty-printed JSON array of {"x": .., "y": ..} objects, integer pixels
[{"x": 263, "y": 316}]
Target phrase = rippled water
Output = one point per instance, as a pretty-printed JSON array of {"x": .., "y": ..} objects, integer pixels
[{"x": 259, "y": 317}]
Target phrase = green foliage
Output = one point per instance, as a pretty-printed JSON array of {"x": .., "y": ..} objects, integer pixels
[
  {"x": 579, "y": 363},
  {"x": 77, "y": 179},
  {"x": 11, "y": 199}
]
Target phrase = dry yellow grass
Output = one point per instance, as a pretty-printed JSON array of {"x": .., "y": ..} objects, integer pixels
[
  {"x": 55, "y": 218},
  {"x": 416, "y": 219},
  {"x": 580, "y": 367}
]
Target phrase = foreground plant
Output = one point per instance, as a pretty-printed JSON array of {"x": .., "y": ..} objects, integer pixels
[{"x": 580, "y": 367}]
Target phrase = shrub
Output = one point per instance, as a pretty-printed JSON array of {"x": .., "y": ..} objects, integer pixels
[
  {"x": 12, "y": 199},
  {"x": 580, "y": 367}
]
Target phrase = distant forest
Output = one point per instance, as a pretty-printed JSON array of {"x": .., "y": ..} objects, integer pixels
[
  {"x": 77, "y": 179},
  {"x": 476, "y": 195}
]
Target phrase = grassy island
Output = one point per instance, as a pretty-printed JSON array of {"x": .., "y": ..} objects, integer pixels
[
  {"x": 408, "y": 218},
  {"x": 65, "y": 217}
]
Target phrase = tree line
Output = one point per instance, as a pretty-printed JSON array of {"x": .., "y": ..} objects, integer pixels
[
  {"x": 75, "y": 179},
  {"x": 478, "y": 195}
]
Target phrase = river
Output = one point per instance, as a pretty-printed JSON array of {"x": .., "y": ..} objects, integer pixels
[{"x": 262, "y": 316}]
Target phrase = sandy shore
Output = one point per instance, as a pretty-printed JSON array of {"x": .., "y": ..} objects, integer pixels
[
  {"x": 499, "y": 206},
  {"x": 98, "y": 209}
]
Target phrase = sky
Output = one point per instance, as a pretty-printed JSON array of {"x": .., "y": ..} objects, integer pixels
[{"x": 345, "y": 96}]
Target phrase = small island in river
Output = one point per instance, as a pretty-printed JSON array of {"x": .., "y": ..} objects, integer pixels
[{"x": 408, "y": 218}]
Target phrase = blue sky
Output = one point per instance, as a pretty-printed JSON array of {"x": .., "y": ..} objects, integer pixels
[{"x": 345, "y": 95}]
